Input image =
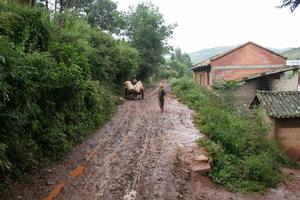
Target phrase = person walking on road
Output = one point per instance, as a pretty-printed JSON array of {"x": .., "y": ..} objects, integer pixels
[{"x": 161, "y": 95}]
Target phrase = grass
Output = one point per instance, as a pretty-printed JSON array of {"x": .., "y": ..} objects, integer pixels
[{"x": 244, "y": 159}]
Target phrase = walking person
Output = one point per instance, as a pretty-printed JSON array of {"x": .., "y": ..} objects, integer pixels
[{"x": 161, "y": 95}]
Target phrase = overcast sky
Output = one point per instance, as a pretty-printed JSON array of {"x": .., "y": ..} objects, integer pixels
[{"x": 206, "y": 23}]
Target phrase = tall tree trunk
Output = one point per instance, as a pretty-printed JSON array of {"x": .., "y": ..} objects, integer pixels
[
  {"x": 55, "y": 6},
  {"x": 61, "y": 4},
  {"x": 47, "y": 5}
]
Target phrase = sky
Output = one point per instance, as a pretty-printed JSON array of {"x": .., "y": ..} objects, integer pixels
[{"x": 203, "y": 24}]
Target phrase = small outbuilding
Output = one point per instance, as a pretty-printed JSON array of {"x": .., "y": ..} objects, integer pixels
[{"x": 282, "y": 111}]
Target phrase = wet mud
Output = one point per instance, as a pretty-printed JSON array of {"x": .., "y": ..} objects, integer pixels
[{"x": 137, "y": 156}]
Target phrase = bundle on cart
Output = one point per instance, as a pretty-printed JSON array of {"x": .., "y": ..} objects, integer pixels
[{"x": 134, "y": 90}]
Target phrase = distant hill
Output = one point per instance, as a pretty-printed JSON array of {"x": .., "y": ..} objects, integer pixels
[
  {"x": 293, "y": 54},
  {"x": 207, "y": 53}
]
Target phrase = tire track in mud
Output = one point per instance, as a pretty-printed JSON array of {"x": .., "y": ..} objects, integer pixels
[
  {"x": 130, "y": 158},
  {"x": 134, "y": 157},
  {"x": 90, "y": 157},
  {"x": 133, "y": 191},
  {"x": 112, "y": 152}
]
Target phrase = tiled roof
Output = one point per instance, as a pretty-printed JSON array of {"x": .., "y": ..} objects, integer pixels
[
  {"x": 203, "y": 63},
  {"x": 280, "y": 104}
]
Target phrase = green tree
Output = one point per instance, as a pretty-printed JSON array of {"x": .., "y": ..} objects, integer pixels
[
  {"x": 111, "y": 61},
  {"x": 179, "y": 62},
  {"x": 54, "y": 78},
  {"x": 148, "y": 33},
  {"x": 28, "y": 2},
  {"x": 292, "y": 4},
  {"x": 104, "y": 15},
  {"x": 100, "y": 13},
  {"x": 181, "y": 57}
]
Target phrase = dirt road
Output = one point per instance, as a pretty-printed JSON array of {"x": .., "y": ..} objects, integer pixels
[{"x": 135, "y": 157}]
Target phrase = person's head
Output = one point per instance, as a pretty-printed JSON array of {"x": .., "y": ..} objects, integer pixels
[{"x": 161, "y": 85}]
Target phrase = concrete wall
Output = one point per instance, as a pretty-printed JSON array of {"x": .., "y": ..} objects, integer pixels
[
  {"x": 286, "y": 83},
  {"x": 288, "y": 136},
  {"x": 245, "y": 93}
]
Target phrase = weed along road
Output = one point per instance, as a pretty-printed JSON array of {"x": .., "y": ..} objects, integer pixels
[{"x": 140, "y": 154}]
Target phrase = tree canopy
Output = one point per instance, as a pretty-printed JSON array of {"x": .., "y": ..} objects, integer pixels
[
  {"x": 56, "y": 84},
  {"x": 292, "y": 4},
  {"x": 148, "y": 33}
]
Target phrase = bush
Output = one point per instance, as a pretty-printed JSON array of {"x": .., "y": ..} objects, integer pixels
[
  {"x": 48, "y": 99},
  {"x": 244, "y": 159},
  {"x": 24, "y": 26},
  {"x": 111, "y": 61}
]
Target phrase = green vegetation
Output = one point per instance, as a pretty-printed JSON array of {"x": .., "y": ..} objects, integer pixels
[
  {"x": 57, "y": 77},
  {"x": 292, "y": 4},
  {"x": 48, "y": 100},
  {"x": 243, "y": 158},
  {"x": 60, "y": 69},
  {"x": 148, "y": 33},
  {"x": 176, "y": 66}
]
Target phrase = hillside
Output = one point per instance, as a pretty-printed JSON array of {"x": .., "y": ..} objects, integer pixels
[
  {"x": 207, "y": 53},
  {"x": 293, "y": 54},
  {"x": 200, "y": 55}
]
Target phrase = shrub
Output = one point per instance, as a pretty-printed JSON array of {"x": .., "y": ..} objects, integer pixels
[
  {"x": 24, "y": 26},
  {"x": 244, "y": 159},
  {"x": 48, "y": 99},
  {"x": 111, "y": 61}
]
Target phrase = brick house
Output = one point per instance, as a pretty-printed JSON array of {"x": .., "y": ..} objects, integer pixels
[
  {"x": 282, "y": 112},
  {"x": 243, "y": 61}
]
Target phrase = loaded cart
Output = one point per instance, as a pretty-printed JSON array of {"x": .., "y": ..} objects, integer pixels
[{"x": 134, "y": 90}]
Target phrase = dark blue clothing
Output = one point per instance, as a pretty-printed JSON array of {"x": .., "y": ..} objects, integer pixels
[{"x": 161, "y": 95}]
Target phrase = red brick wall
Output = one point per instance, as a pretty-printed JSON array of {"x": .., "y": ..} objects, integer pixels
[
  {"x": 232, "y": 74},
  {"x": 249, "y": 54}
]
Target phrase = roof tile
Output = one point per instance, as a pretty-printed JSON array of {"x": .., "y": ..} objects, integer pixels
[{"x": 280, "y": 104}]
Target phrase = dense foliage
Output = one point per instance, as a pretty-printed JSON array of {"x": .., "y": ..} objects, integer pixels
[
  {"x": 148, "y": 33},
  {"x": 111, "y": 61},
  {"x": 244, "y": 159},
  {"x": 56, "y": 81},
  {"x": 176, "y": 66},
  {"x": 292, "y": 4}
]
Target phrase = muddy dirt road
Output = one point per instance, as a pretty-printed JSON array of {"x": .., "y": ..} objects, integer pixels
[{"x": 135, "y": 157}]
